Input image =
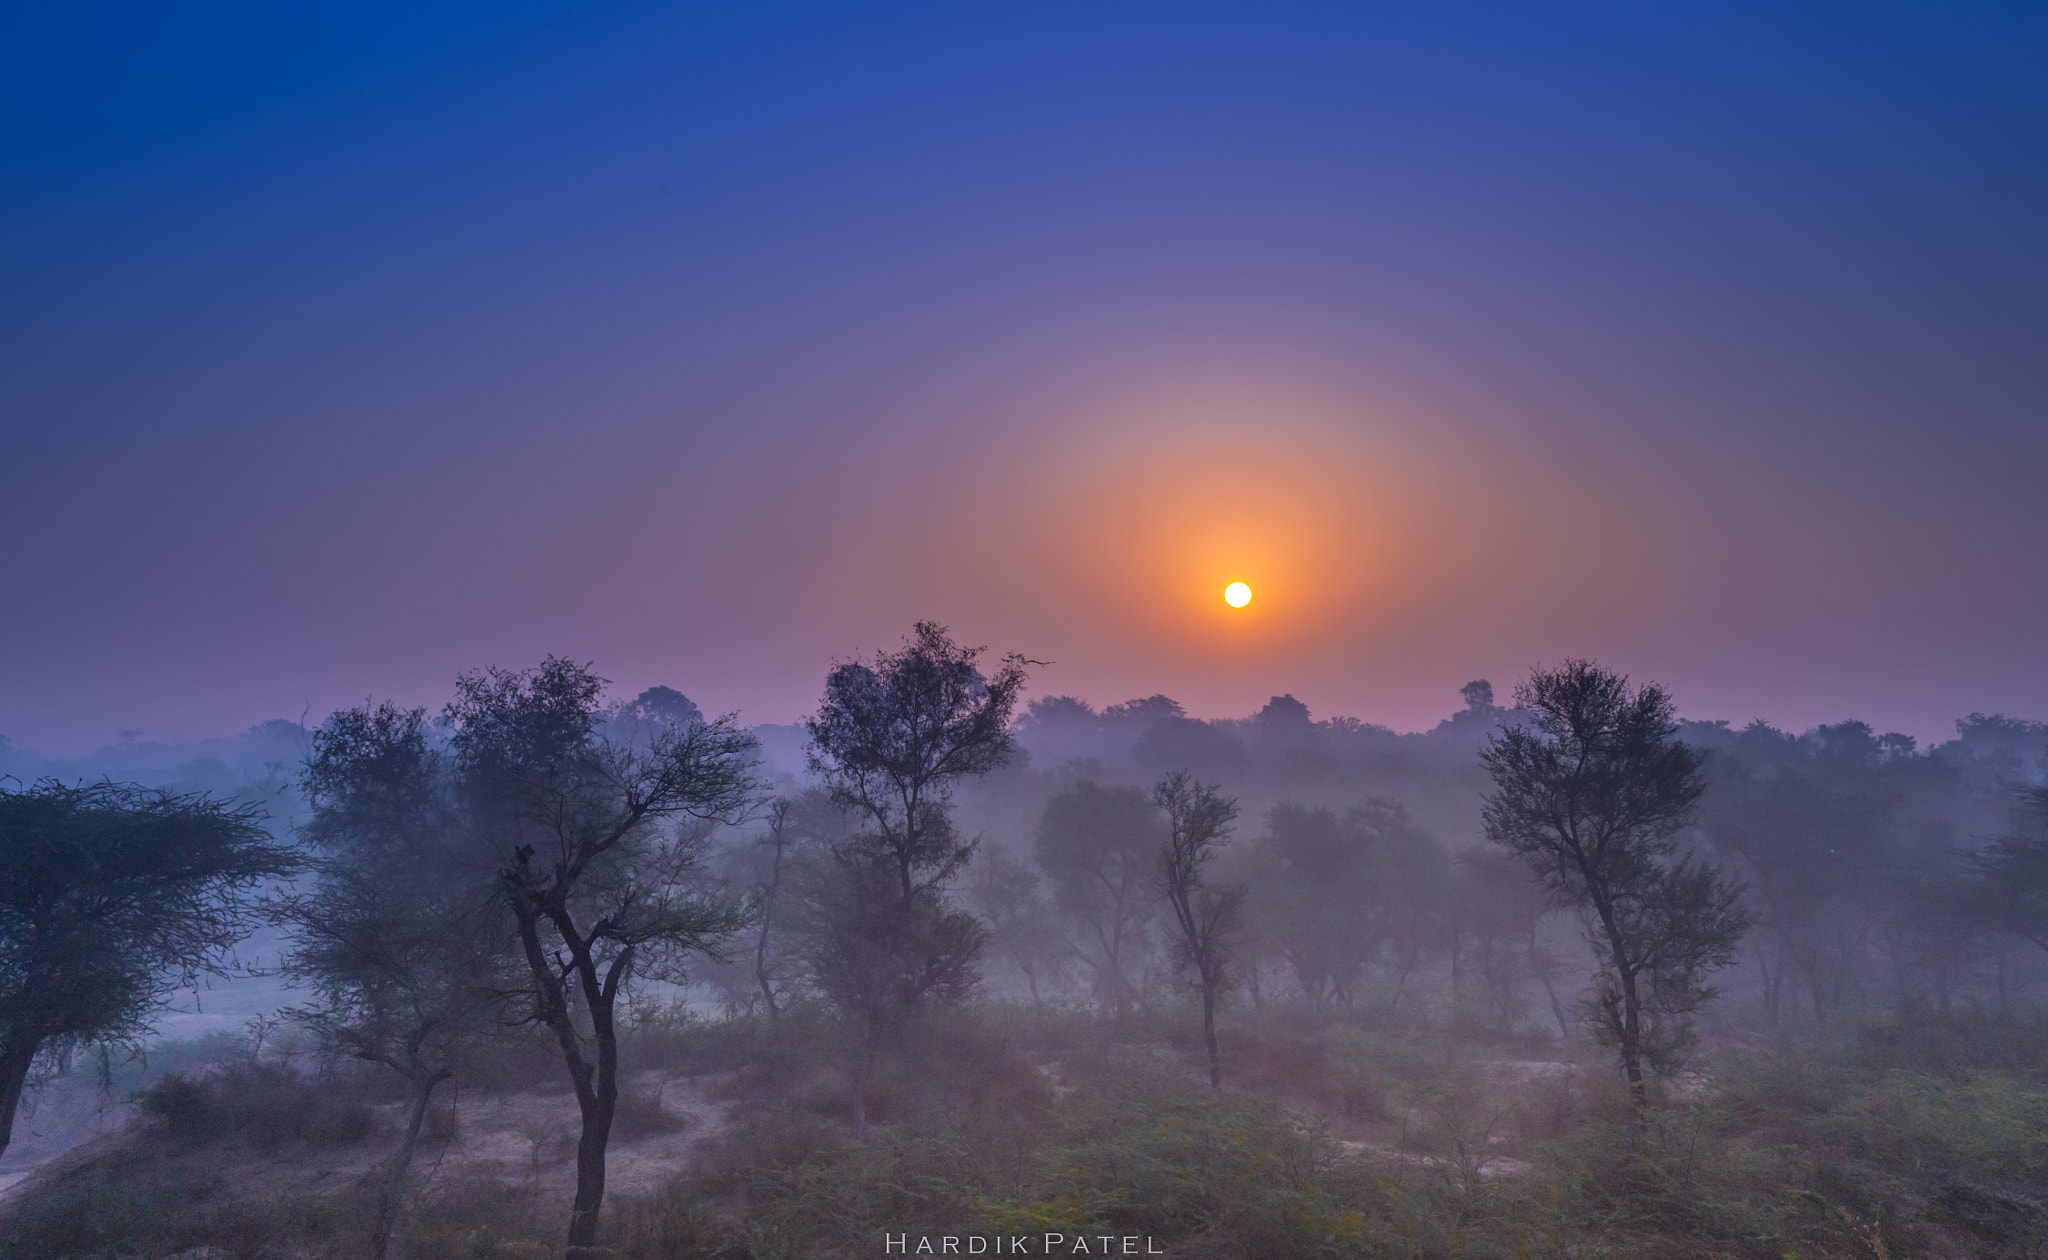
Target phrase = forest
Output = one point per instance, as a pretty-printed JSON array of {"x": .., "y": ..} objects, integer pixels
[{"x": 550, "y": 971}]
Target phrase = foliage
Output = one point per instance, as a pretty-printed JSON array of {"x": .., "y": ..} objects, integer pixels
[
  {"x": 583, "y": 831},
  {"x": 891, "y": 739},
  {"x": 2012, "y": 873},
  {"x": 110, "y": 897},
  {"x": 267, "y": 1105},
  {"x": 1100, "y": 848},
  {"x": 1331, "y": 890},
  {"x": 400, "y": 939},
  {"x": 1594, "y": 799},
  {"x": 1209, "y": 915}
]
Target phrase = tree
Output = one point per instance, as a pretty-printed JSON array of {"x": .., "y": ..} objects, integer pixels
[
  {"x": 2012, "y": 873},
  {"x": 775, "y": 845},
  {"x": 1100, "y": 846},
  {"x": 1333, "y": 891},
  {"x": 891, "y": 738},
  {"x": 1500, "y": 910},
  {"x": 1021, "y": 931},
  {"x": 767, "y": 869},
  {"x": 1823, "y": 873},
  {"x": 398, "y": 939},
  {"x": 1202, "y": 747},
  {"x": 1198, "y": 822},
  {"x": 111, "y": 897},
  {"x": 1317, "y": 896},
  {"x": 1594, "y": 798},
  {"x": 591, "y": 860}
]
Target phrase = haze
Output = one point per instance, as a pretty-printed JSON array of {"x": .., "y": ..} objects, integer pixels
[{"x": 345, "y": 350}]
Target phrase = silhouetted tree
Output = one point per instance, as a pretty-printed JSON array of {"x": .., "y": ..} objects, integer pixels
[
  {"x": 591, "y": 859},
  {"x": 1198, "y": 821},
  {"x": 891, "y": 738},
  {"x": 399, "y": 938},
  {"x": 660, "y": 707},
  {"x": 1594, "y": 798},
  {"x": 1202, "y": 747},
  {"x": 2012, "y": 873},
  {"x": 1100, "y": 846},
  {"x": 111, "y": 897},
  {"x": 1316, "y": 896}
]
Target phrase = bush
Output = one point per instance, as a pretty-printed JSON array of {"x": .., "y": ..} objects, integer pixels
[
  {"x": 142, "y": 1207},
  {"x": 265, "y": 1105},
  {"x": 640, "y": 1113}
]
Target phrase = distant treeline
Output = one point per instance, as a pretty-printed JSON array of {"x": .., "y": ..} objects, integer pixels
[{"x": 1862, "y": 856}]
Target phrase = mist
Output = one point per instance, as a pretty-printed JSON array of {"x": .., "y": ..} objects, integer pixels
[{"x": 1397, "y": 994}]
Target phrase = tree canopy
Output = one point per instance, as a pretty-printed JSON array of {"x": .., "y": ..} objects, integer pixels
[
  {"x": 112, "y": 896},
  {"x": 891, "y": 738},
  {"x": 594, "y": 841},
  {"x": 1595, "y": 798}
]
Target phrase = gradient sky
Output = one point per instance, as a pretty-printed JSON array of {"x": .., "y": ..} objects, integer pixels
[{"x": 344, "y": 347}]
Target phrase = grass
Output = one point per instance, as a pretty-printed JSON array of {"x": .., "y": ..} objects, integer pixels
[{"x": 1334, "y": 1141}]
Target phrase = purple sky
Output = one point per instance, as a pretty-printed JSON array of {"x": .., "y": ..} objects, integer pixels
[{"x": 345, "y": 348}]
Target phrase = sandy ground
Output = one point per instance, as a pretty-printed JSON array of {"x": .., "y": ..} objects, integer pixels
[{"x": 532, "y": 1138}]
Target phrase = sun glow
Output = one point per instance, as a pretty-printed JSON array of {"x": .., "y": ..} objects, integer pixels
[{"x": 1148, "y": 522}]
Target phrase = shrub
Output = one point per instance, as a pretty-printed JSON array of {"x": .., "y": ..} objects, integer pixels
[
  {"x": 263, "y": 1104},
  {"x": 143, "y": 1207},
  {"x": 640, "y": 1113}
]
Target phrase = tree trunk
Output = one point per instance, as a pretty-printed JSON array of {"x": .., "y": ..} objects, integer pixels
[
  {"x": 1407, "y": 969},
  {"x": 598, "y": 1106},
  {"x": 1632, "y": 1042},
  {"x": 1209, "y": 1032},
  {"x": 864, "y": 1068},
  {"x": 394, "y": 1186},
  {"x": 17, "y": 1056},
  {"x": 761, "y": 970},
  {"x": 1564, "y": 1026},
  {"x": 1774, "y": 979},
  {"x": 761, "y": 942},
  {"x": 1624, "y": 1009}
]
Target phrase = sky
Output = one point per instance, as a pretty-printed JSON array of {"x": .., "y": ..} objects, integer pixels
[{"x": 347, "y": 347}]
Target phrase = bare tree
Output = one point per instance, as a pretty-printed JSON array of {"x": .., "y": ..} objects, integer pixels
[
  {"x": 891, "y": 738},
  {"x": 590, "y": 861},
  {"x": 1595, "y": 799},
  {"x": 1198, "y": 823}
]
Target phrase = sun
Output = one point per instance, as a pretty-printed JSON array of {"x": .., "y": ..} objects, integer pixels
[{"x": 1237, "y": 594}]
